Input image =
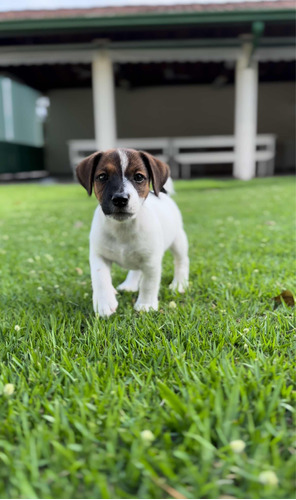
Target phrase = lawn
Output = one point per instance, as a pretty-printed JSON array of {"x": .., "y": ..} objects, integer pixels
[{"x": 148, "y": 405}]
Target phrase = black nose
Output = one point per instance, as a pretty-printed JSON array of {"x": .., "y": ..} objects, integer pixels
[{"x": 120, "y": 200}]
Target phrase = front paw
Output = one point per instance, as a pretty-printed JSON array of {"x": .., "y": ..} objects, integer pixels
[
  {"x": 142, "y": 306},
  {"x": 179, "y": 286},
  {"x": 128, "y": 287},
  {"x": 104, "y": 307}
]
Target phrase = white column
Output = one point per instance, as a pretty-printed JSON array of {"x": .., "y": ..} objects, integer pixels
[
  {"x": 246, "y": 92},
  {"x": 104, "y": 100}
]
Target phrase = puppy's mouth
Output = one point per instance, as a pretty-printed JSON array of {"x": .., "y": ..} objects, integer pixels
[
  {"x": 120, "y": 216},
  {"x": 117, "y": 214}
]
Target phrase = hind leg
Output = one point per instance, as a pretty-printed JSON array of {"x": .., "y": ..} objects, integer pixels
[
  {"x": 131, "y": 283},
  {"x": 179, "y": 250}
]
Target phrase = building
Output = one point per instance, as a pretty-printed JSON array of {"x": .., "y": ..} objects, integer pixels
[{"x": 159, "y": 71}]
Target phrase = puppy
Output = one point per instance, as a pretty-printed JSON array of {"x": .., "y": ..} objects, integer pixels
[{"x": 132, "y": 227}]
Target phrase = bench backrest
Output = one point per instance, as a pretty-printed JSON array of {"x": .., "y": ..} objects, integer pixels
[
  {"x": 159, "y": 147},
  {"x": 172, "y": 148},
  {"x": 218, "y": 142}
]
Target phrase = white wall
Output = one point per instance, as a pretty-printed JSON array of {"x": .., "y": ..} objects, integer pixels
[{"x": 168, "y": 111}]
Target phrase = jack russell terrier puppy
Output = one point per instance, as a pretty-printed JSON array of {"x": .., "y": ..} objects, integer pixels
[{"x": 132, "y": 227}]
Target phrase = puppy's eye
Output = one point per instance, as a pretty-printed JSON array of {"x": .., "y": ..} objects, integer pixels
[
  {"x": 139, "y": 177},
  {"x": 102, "y": 177}
]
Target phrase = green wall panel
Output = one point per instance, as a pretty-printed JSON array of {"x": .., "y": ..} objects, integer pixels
[{"x": 20, "y": 158}]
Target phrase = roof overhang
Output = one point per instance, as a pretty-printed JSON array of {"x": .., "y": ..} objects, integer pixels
[
  {"x": 156, "y": 19},
  {"x": 226, "y": 50}
]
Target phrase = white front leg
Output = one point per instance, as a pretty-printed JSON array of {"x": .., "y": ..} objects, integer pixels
[
  {"x": 131, "y": 283},
  {"x": 104, "y": 301},
  {"x": 149, "y": 287}
]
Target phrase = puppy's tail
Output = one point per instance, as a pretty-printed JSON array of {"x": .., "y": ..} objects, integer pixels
[{"x": 169, "y": 187}]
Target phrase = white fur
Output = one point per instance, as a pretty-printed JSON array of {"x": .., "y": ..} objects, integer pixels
[
  {"x": 123, "y": 159},
  {"x": 137, "y": 244},
  {"x": 134, "y": 201}
]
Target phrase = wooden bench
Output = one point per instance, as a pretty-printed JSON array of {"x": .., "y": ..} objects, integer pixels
[
  {"x": 188, "y": 151},
  {"x": 183, "y": 152}
]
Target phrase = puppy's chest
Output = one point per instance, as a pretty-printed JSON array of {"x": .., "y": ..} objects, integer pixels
[{"x": 129, "y": 251}]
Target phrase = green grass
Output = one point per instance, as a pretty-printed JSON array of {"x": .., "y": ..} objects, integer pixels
[{"x": 216, "y": 368}]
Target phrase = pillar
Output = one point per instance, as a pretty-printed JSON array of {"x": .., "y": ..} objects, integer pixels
[
  {"x": 246, "y": 92},
  {"x": 104, "y": 100}
]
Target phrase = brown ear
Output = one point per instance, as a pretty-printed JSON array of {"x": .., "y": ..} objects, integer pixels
[
  {"x": 85, "y": 170},
  {"x": 158, "y": 171}
]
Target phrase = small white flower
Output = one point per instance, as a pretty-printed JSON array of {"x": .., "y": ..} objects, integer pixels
[
  {"x": 214, "y": 278},
  {"x": 17, "y": 328},
  {"x": 172, "y": 305},
  {"x": 147, "y": 436},
  {"x": 256, "y": 271},
  {"x": 246, "y": 330},
  {"x": 40, "y": 288},
  {"x": 56, "y": 286},
  {"x": 8, "y": 389},
  {"x": 246, "y": 346},
  {"x": 268, "y": 477},
  {"x": 237, "y": 445}
]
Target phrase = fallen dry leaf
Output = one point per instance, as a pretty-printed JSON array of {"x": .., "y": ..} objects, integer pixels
[
  {"x": 286, "y": 296},
  {"x": 171, "y": 491}
]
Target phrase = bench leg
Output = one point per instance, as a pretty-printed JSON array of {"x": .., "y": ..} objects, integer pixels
[
  {"x": 175, "y": 170},
  {"x": 185, "y": 171},
  {"x": 270, "y": 167},
  {"x": 262, "y": 169},
  {"x": 265, "y": 168}
]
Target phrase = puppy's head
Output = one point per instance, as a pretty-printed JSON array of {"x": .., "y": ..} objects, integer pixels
[{"x": 121, "y": 179}]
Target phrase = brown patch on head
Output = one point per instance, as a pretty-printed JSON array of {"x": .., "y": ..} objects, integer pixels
[
  {"x": 108, "y": 168},
  {"x": 89, "y": 169},
  {"x": 158, "y": 171},
  {"x": 137, "y": 173},
  {"x": 85, "y": 170}
]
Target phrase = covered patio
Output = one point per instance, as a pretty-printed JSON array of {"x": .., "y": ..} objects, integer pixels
[{"x": 115, "y": 52}]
